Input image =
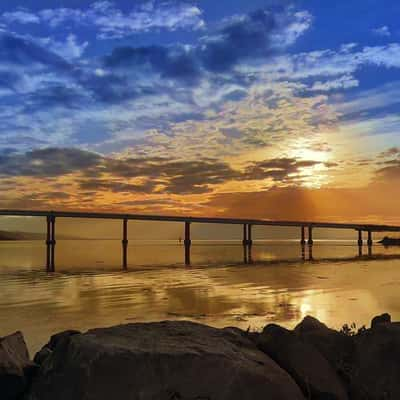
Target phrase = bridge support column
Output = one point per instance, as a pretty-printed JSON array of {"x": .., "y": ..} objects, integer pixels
[
  {"x": 249, "y": 243},
  {"x": 125, "y": 244},
  {"x": 244, "y": 241},
  {"x": 310, "y": 236},
  {"x": 249, "y": 235},
  {"x": 303, "y": 236},
  {"x": 370, "y": 242},
  {"x": 50, "y": 243},
  {"x": 188, "y": 243},
  {"x": 360, "y": 238}
]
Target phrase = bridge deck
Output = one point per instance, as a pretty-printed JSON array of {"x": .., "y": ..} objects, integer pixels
[{"x": 211, "y": 220}]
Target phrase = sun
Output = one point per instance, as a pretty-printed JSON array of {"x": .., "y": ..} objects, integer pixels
[{"x": 317, "y": 175}]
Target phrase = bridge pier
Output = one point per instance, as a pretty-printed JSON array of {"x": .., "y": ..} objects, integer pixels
[
  {"x": 370, "y": 241},
  {"x": 244, "y": 243},
  {"x": 188, "y": 243},
  {"x": 125, "y": 244},
  {"x": 50, "y": 243},
  {"x": 303, "y": 235},
  {"x": 249, "y": 235},
  {"x": 249, "y": 243},
  {"x": 310, "y": 236},
  {"x": 360, "y": 239}
]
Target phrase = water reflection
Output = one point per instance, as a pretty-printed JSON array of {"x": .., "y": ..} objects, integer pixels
[{"x": 220, "y": 288}]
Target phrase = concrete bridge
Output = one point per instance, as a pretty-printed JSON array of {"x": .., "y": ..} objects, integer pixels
[{"x": 304, "y": 227}]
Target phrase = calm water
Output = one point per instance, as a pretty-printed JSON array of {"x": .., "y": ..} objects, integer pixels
[{"x": 89, "y": 288}]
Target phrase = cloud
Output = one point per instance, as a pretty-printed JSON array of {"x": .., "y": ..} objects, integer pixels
[
  {"x": 175, "y": 63},
  {"x": 18, "y": 51},
  {"x": 111, "y": 22},
  {"x": 390, "y": 172},
  {"x": 392, "y": 152},
  {"x": 383, "y": 31},
  {"x": 278, "y": 169},
  {"x": 47, "y": 162},
  {"x": 22, "y": 16},
  {"x": 149, "y": 175},
  {"x": 343, "y": 82},
  {"x": 69, "y": 49},
  {"x": 243, "y": 38},
  {"x": 256, "y": 35}
]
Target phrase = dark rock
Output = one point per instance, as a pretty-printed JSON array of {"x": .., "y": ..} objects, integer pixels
[
  {"x": 381, "y": 319},
  {"x": 376, "y": 370},
  {"x": 60, "y": 338},
  {"x": 15, "y": 366},
  {"x": 246, "y": 334},
  {"x": 41, "y": 355},
  {"x": 57, "y": 340},
  {"x": 312, "y": 372},
  {"x": 310, "y": 324},
  {"x": 163, "y": 361},
  {"x": 336, "y": 347}
]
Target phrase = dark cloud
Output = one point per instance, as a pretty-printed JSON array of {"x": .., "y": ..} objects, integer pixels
[
  {"x": 117, "y": 187},
  {"x": 392, "y": 152},
  {"x": 145, "y": 175},
  {"x": 18, "y": 51},
  {"x": 241, "y": 39},
  {"x": 47, "y": 162},
  {"x": 55, "y": 95},
  {"x": 277, "y": 169},
  {"x": 169, "y": 62},
  {"x": 178, "y": 177},
  {"x": 112, "y": 88}
]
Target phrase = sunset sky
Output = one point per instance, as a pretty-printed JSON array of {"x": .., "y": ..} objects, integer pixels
[{"x": 243, "y": 108}]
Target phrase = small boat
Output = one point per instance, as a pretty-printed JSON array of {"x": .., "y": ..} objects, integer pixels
[{"x": 387, "y": 241}]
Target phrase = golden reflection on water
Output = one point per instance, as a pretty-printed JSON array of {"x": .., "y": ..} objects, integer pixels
[{"x": 89, "y": 288}]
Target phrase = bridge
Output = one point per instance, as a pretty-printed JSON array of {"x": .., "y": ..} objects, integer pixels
[{"x": 247, "y": 224}]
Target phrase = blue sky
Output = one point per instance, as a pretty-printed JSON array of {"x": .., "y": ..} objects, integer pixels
[{"x": 188, "y": 106}]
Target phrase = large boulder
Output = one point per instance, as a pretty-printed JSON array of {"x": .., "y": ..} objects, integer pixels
[
  {"x": 57, "y": 340},
  {"x": 312, "y": 372},
  {"x": 381, "y": 319},
  {"x": 15, "y": 366},
  {"x": 336, "y": 347},
  {"x": 163, "y": 361},
  {"x": 376, "y": 372}
]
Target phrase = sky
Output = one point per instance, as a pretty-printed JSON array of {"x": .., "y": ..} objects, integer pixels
[{"x": 261, "y": 109}]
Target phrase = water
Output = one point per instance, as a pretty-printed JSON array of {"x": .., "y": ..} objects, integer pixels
[{"x": 89, "y": 288}]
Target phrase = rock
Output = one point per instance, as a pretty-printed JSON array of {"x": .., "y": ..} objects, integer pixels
[
  {"x": 376, "y": 369},
  {"x": 336, "y": 347},
  {"x": 163, "y": 361},
  {"x": 15, "y": 366},
  {"x": 57, "y": 340},
  {"x": 310, "y": 324},
  {"x": 380, "y": 319},
  {"x": 60, "y": 338},
  {"x": 41, "y": 355},
  {"x": 312, "y": 372}
]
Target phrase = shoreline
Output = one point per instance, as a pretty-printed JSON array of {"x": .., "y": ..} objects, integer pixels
[{"x": 185, "y": 360}]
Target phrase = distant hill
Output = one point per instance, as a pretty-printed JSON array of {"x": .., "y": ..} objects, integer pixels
[
  {"x": 6, "y": 235},
  {"x": 12, "y": 236}
]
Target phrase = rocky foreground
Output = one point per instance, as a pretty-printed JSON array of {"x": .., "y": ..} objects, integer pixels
[{"x": 188, "y": 361}]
